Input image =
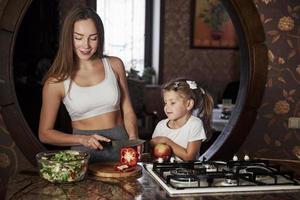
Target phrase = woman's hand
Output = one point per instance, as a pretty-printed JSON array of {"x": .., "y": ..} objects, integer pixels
[{"x": 92, "y": 141}]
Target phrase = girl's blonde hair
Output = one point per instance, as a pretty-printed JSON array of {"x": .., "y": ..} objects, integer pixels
[{"x": 202, "y": 99}]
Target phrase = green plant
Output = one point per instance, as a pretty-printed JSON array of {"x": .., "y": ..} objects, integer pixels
[
  {"x": 148, "y": 73},
  {"x": 132, "y": 73}
]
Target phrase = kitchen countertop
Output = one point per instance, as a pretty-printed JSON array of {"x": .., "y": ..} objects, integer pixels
[{"x": 28, "y": 185}]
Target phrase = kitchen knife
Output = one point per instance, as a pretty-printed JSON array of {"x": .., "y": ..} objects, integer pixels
[{"x": 123, "y": 143}]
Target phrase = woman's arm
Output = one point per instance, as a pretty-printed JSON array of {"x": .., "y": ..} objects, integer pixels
[
  {"x": 187, "y": 154},
  {"x": 52, "y": 95},
  {"x": 129, "y": 117}
]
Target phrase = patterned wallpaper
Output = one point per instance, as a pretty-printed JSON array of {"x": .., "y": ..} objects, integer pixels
[
  {"x": 270, "y": 136},
  {"x": 203, "y": 65}
]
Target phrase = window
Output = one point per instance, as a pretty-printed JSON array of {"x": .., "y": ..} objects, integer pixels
[{"x": 124, "y": 25}]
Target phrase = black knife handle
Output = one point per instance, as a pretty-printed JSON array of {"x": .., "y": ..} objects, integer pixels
[{"x": 106, "y": 144}]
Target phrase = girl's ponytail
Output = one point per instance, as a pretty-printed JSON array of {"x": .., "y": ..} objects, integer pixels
[{"x": 205, "y": 107}]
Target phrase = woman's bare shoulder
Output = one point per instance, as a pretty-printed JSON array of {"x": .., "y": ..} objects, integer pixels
[
  {"x": 52, "y": 80},
  {"x": 54, "y": 85},
  {"x": 114, "y": 59},
  {"x": 116, "y": 63}
]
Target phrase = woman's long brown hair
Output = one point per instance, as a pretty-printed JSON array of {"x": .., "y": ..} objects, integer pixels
[{"x": 64, "y": 65}]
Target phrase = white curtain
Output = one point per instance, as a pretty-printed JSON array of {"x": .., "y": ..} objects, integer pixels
[{"x": 124, "y": 26}]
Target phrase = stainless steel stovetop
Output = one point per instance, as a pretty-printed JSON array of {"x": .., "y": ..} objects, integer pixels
[{"x": 198, "y": 177}]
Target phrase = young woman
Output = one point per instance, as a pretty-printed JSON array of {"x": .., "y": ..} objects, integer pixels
[
  {"x": 93, "y": 88},
  {"x": 182, "y": 131}
]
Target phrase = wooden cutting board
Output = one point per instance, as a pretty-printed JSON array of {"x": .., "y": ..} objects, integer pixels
[{"x": 107, "y": 169}]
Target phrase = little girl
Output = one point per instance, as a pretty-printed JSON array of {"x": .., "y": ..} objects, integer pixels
[{"x": 182, "y": 131}]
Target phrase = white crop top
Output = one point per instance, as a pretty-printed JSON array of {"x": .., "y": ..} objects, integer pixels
[{"x": 90, "y": 101}]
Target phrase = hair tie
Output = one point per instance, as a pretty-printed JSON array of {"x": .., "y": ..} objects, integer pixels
[
  {"x": 192, "y": 84},
  {"x": 176, "y": 84},
  {"x": 202, "y": 90}
]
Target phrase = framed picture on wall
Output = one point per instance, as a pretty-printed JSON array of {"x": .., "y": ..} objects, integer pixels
[{"x": 212, "y": 26}]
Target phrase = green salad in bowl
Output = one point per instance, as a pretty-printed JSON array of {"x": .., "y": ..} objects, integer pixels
[{"x": 62, "y": 166}]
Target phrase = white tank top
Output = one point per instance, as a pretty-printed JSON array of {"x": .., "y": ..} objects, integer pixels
[{"x": 86, "y": 102}]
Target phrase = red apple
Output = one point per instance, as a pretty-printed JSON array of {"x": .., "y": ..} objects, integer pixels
[{"x": 162, "y": 151}]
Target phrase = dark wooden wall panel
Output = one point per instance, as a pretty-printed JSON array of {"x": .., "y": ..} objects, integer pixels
[
  {"x": 6, "y": 96},
  {"x": 2, "y": 6},
  {"x": 9, "y": 17},
  {"x": 16, "y": 123}
]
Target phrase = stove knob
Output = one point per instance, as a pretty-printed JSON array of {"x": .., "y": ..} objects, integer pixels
[
  {"x": 160, "y": 160},
  {"x": 235, "y": 158},
  {"x": 246, "y": 158},
  {"x": 172, "y": 159}
]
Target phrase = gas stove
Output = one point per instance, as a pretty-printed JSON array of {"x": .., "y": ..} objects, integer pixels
[{"x": 201, "y": 177}]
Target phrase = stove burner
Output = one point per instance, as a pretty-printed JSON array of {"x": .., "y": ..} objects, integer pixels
[
  {"x": 228, "y": 182},
  {"x": 214, "y": 166},
  {"x": 210, "y": 168},
  {"x": 260, "y": 173},
  {"x": 184, "y": 182},
  {"x": 182, "y": 171},
  {"x": 230, "y": 179},
  {"x": 257, "y": 170},
  {"x": 183, "y": 178}
]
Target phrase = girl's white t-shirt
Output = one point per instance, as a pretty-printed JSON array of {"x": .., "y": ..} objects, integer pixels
[{"x": 191, "y": 131}]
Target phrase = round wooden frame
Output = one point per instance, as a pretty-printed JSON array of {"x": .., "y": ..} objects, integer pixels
[{"x": 253, "y": 76}]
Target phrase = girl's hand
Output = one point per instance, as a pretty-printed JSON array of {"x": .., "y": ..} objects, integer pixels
[{"x": 92, "y": 141}]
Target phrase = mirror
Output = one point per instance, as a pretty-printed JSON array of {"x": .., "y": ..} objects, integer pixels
[
  {"x": 200, "y": 60},
  {"x": 253, "y": 72}
]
